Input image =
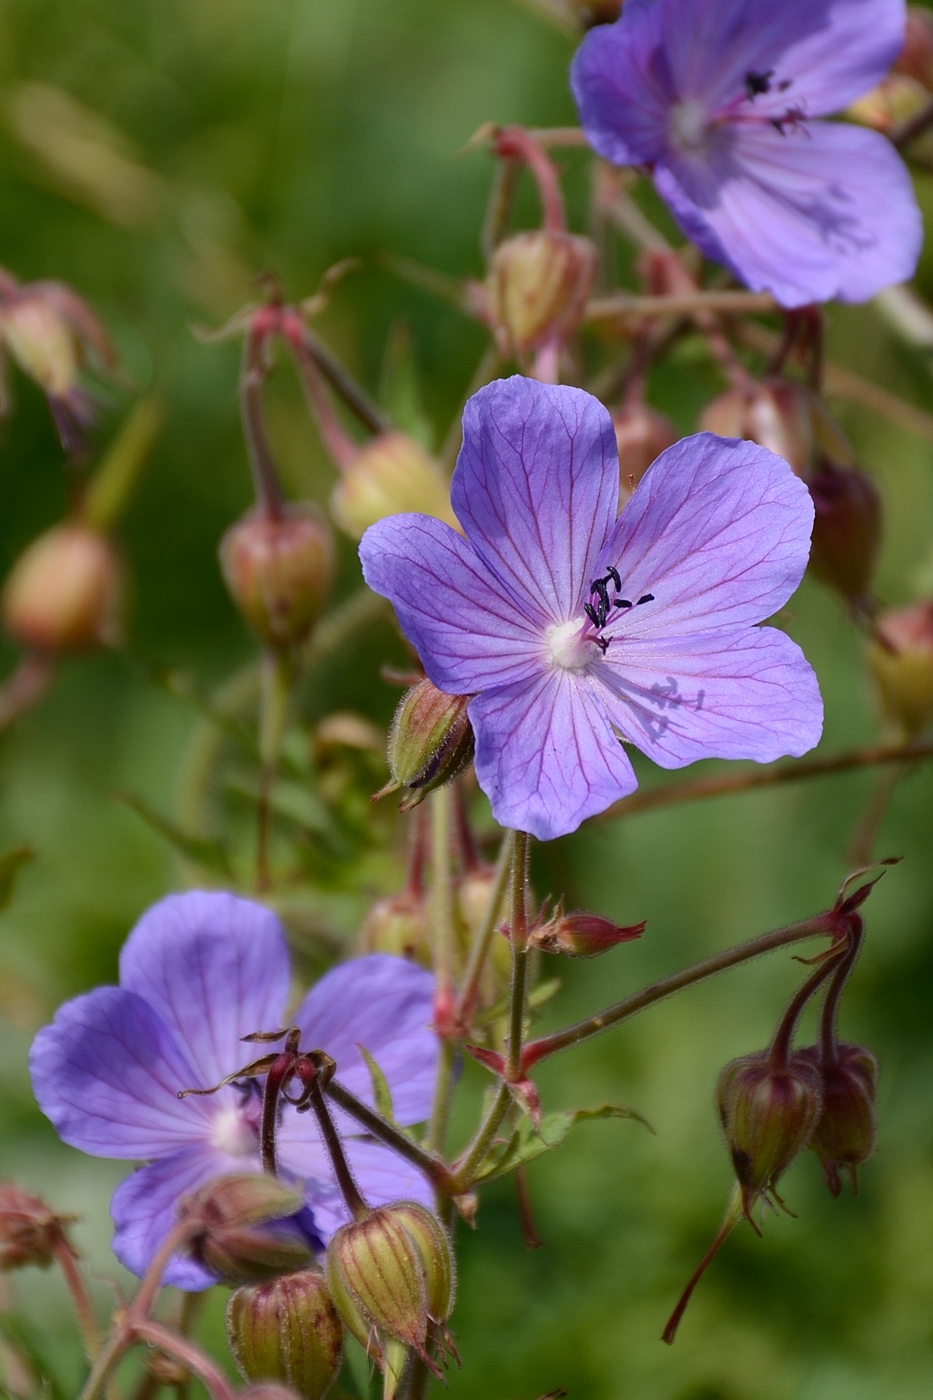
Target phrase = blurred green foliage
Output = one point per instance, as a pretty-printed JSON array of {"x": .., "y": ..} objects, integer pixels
[{"x": 157, "y": 156}]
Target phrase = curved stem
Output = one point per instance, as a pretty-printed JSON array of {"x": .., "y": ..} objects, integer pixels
[
  {"x": 190, "y": 1356},
  {"x": 432, "y": 1167},
  {"x": 828, "y": 1043},
  {"x": 515, "y": 143},
  {"x": 348, "y": 1187},
  {"x": 477, "y": 1149},
  {"x": 252, "y": 378},
  {"x": 781, "y": 1044},
  {"x": 67, "y": 1261}
]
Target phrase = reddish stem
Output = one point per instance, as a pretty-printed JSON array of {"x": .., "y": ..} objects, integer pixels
[
  {"x": 780, "y": 1046},
  {"x": 828, "y": 1043},
  {"x": 515, "y": 143},
  {"x": 252, "y": 378}
]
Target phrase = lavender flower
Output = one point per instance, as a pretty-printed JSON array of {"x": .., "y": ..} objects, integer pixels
[
  {"x": 574, "y": 630},
  {"x": 718, "y": 97},
  {"x": 198, "y": 972}
]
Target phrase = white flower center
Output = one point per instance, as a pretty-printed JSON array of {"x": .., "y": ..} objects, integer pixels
[
  {"x": 566, "y": 645},
  {"x": 689, "y": 124},
  {"x": 232, "y": 1132}
]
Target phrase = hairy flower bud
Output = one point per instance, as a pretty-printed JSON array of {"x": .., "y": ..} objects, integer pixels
[
  {"x": 642, "y": 433},
  {"x": 287, "y": 1330},
  {"x": 29, "y": 1230},
  {"x": 846, "y": 1131},
  {"x": 916, "y": 57},
  {"x": 244, "y": 1232},
  {"x": 390, "y": 475},
  {"x": 902, "y": 664},
  {"x": 846, "y": 529},
  {"x": 580, "y": 935},
  {"x": 398, "y": 925},
  {"x": 538, "y": 287},
  {"x": 430, "y": 741},
  {"x": 279, "y": 572},
  {"x": 392, "y": 1271},
  {"x": 768, "y": 1115},
  {"x": 65, "y": 592}
]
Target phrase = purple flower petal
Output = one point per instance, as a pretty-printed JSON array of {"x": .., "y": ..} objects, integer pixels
[
  {"x": 215, "y": 968},
  {"x": 546, "y": 756},
  {"x": 143, "y": 1210},
  {"x": 741, "y": 693},
  {"x": 622, "y": 83},
  {"x": 381, "y": 1175},
  {"x": 467, "y": 630},
  {"x": 386, "y": 1005},
  {"x": 844, "y": 58},
  {"x": 107, "y": 1073},
  {"x": 718, "y": 531},
  {"x": 810, "y": 213}
]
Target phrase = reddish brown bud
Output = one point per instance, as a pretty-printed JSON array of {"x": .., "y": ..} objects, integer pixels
[
  {"x": 430, "y": 741},
  {"x": 846, "y": 529},
  {"x": 768, "y": 1115},
  {"x": 593, "y": 12},
  {"x": 279, "y": 571},
  {"x": 390, "y": 475},
  {"x": 287, "y": 1330},
  {"x": 581, "y": 935},
  {"x": 642, "y": 434},
  {"x": 29, "y": 1230},
  {"x": 538, "y": 286},
  {"x": 397, "y": 924},
  {"x": 902, "y": 664},
  {"x": 845, "y": 1134},
  {"x": 65, "y": 592},
  {"x": 243, "y": 1228},
  {"x": 916, "y": 57}
]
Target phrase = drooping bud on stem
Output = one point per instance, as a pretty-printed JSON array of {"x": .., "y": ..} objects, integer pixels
[
  {"x": 901, "y": 661},
  {"x": 845, "y": 1135},
  {"x": 430, "y": 742},
  {"x": 538, "y": 286},
  {"x": 279, "y": 570},
  {"x": 65, "y": 592},
  {"x": 846, "y": 530},
  {"x": 287, "y": 1330},
  {"x": 240, "y": 1227}
]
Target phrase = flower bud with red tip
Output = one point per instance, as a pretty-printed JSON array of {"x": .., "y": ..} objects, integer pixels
[
  {"x": 430, "y": 741},
  {"x": 902, "y": 664},
  {"x": 580, "y": 935},
  {"x": 287, "y": 1330},
  {"x": 241, "y": 1229},
  {"x": 65, "y": 592},
  {"x": 846, "y": 1132},
  {"x": 392, "y": 474},
  {"x": 642, "y": 434},
  {"x": 768, "y": 1113},
  {"x": 538, "y": 286},
  {"x": 846, "y": 529},
  {"x": 279, "y": 570},
  {"x": 29, "y": 1231}
]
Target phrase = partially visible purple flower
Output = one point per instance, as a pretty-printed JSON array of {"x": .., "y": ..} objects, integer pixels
[
  {"x": 718, "y": 99},
  {"x": 576, "y": 631},
  {"x": 198, "y": 972}
]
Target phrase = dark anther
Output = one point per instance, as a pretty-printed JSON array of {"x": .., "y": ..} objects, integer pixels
[
  {"x": 758, "y": 83},
  {"x": 592, "y": 614},
  {"x": 645, "y": 598},
  {"x": 623, "y": 603},
  {"x": 614, "y": 575}
]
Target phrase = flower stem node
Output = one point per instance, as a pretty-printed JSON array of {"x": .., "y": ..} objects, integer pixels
[
  {"x": 430, "y": 742},
  {"x": 537, "y": 287},
  {"x": 902, "y": 663},
  {"x": 391, "y": 1274},
  {"x": 29, "y": 1231},
  {"x": 65, "y": 592},
  {"x": 243, "y": 1230},
  {"x": 287, "y": 1330},
  {"x": 768, "y": 1113},
  {"x": 391, "y": 474},
  {"x": 279, "y": 570},
  {"x": 846, "y": 530},
  {"x": 846, "y": 1132},
  {"x": 579, "y": 935},
  {"x": 642, "y": 433}
]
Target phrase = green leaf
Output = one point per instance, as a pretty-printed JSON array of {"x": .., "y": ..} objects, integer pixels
[
  {"x": 11, "y": 863},
  {"x": 209, "y": 855},
  {"x": 382, "y": 1094},
  {"x": 525, "y": 1144}
]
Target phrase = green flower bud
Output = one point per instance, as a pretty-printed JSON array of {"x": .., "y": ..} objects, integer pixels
[
  {"x": 846, "y": 1131},
  {"x": 279, "y": 571},
  {"x": 390, "y": 475},
  {"x": 243, "y": 1229},
  {"x": 768, "y": 1116},
  {"x": 902, "y": 665},
  {"x": 538, "y": 287},
  {"x": 287, "y": 1330},
  {"x": 65, "y": 592},
  {"x": 398, "y": 925},
  {"x": 430, "y": 742},
  {"x": 437, "y": 1261}
]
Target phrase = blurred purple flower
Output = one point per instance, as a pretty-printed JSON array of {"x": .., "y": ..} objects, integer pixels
[
  {"x": 574, "y": 630},
  {"x": 717, "y": 98},
  {"x": 198, "y": 972}
]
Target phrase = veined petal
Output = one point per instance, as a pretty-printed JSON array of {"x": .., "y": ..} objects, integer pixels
[
  {"x": 809, "y": 213},
  {"x": 215, "y": 968},
  {"x": 718, "y": 531},
  {"x": 622, "y": 84},
  {"x": 731, "y": 693},
  {"x": 381, "y": 1175},
  {"x": 385, "y": 1005},
  {"x": 143, "y": 1210},
  {"x": 536, "y": 489},
  {"x": 468, "y": 630},
  {"x": 107, "y": 1072},
  {"x": 838, "y": 62},
  {"x": 546, "y": 755}
]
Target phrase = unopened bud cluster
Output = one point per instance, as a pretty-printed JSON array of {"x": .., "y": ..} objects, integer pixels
[
  {"x": 537, "y": 288},
  {"x": 279, "y": 570},
  {"x": 241, "y": 1229},
  {"x": 287, "y": 1330},
  {"x": 430, "y": 741}
]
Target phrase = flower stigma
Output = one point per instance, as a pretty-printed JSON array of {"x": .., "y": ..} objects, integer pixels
[
  {"x": 568, "y": 644},
  {"x": 233, "y": 1133},
  {"x": 689, "y": 124}
]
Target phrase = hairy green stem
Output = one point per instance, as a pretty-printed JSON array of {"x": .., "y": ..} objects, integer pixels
[
  {"x": 518, "y": 937},
  {"x": 277, "y": 680},
  {"x": 432, "y": 1167},
  {"x": 80, "y": 1298}
]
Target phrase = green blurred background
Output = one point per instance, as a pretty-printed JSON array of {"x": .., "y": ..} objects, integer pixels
[{"x": 207, "y": 140}]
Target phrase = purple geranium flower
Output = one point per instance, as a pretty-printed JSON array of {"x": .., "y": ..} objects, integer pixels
[
  {"x": 575, "y": 630},
  {"x": 198, "y": 972},
  {"x": 717, "y": 98}
]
